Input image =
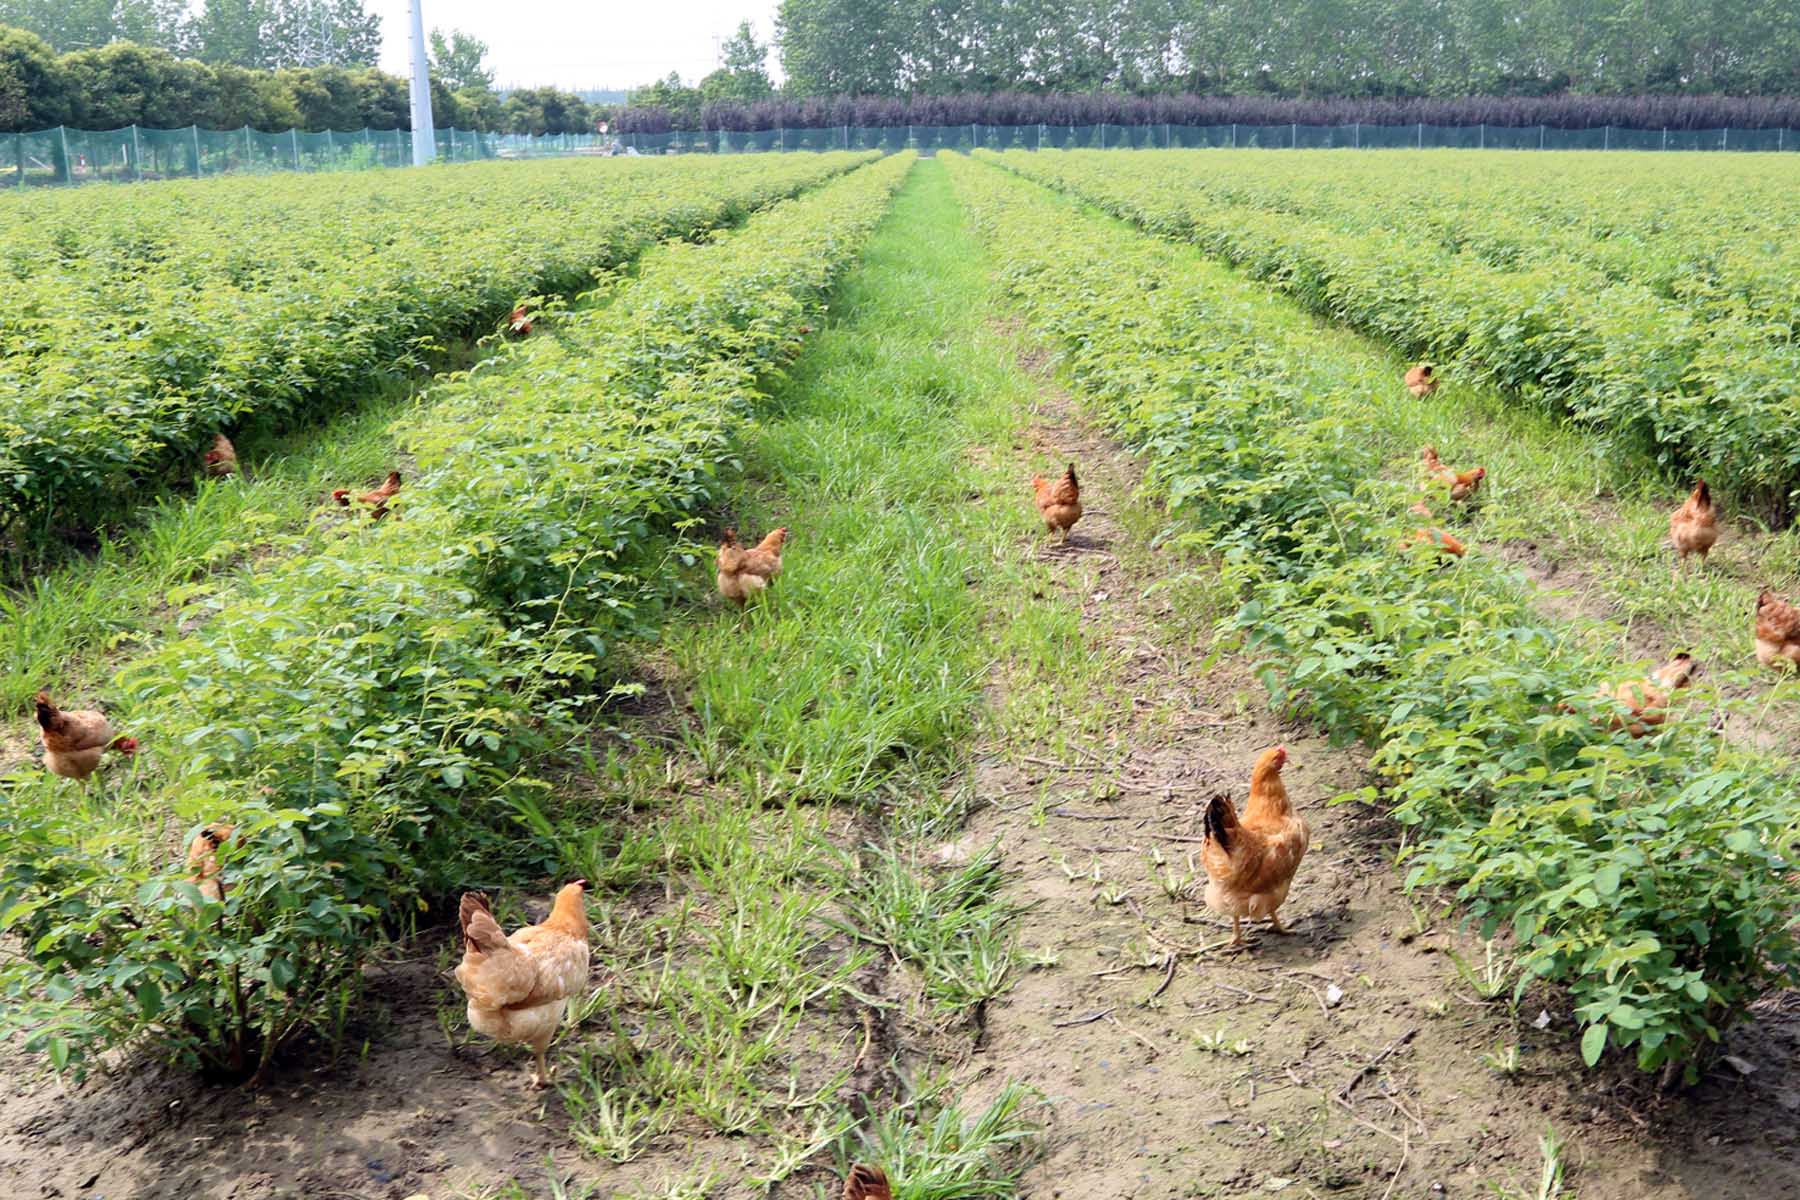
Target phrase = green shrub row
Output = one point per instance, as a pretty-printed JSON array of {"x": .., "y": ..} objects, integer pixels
[
  {"x": 372, "y": 715},
  {"x": 1639, "y": 874},
  {"x": 136, "y": 330},
  {"x": 1706, "y": 393},
  {"x": 1714, "y": 239}
]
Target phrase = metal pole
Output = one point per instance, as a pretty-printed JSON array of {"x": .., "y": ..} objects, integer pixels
[
  {"x": 1356, "y": 133},
  {"x": 1781, "y": 138},
  {"x": 1725, "y": 138},
  {"x": 424, "y": 143},
  {"x": 1540, "y": 137},
  {"x": 137, "y": 156},
  {"x": 195, "y": 130},
  {"x": 19, "y": 155},
  {"x": 1606, "y": 137},
  {"x": 1040, "y": 135},
  {"x": 68, "y": 163},
  {"x": 1421, "y": 135},
  {"x": 1168, "y": 137},
  {"x": 1483, "y": 145},
  {"x": 296, "y": 136},
  {"x": 1234, "y": 135},
  {"x": 1665, "y": 144},
  {"x": 1294, "y": 136}
]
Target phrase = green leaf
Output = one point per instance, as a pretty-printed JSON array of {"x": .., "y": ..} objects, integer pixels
[{"x": 1593, "y": 1043}]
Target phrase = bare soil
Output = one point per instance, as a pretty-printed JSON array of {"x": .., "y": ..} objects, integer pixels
[{"x": 1345, "y": 1060}]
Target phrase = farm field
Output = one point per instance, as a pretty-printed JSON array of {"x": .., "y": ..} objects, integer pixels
[{"x": 901, "y": 863}]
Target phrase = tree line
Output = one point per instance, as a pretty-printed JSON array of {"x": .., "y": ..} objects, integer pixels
[{"x": 124, "y": 83}]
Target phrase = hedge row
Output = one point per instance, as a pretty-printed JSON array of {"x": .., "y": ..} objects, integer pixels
[
  {"x": 140, "y": 324},
  {"x": 371, "y": 716},
  {"x": 1710, "y": 393},
  {"x": 1639, "y": 874}
]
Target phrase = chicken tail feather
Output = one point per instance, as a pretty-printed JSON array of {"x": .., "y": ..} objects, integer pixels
[
  {"x": 1219, "y": 821},
  {"x": 867, "y": 1182},
  {"x": 472, "y": 903}
]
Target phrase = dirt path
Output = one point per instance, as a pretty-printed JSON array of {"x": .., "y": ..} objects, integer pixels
[{"x": 1346, "y": 1060}]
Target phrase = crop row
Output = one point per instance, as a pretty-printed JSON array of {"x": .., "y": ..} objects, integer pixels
[
  {"x": 135, "y": 331},
  {"x": 371, "y": 716},
  {"x": 1709, "y": 239},
  {"x": 1640, "y": 874},
  {"x": 1702, "y": 392}
]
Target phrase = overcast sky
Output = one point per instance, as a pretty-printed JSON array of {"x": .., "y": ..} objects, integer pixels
[{"x": 582, "y": 43}]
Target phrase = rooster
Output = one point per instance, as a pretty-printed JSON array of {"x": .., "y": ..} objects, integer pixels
[
  {"x": 1421, "y": 380},
  {"x": 75, "y": 741},
  {"x": 867, "y": 1182},
  {"x": 1462, "y": 484},
  {"x": 743, "y": 573},
  {"x": 221, "y": 460},
  {"x": 1777, "y": 632},
  {"x": 518, "y": 986},
  {"x": 1251, "y": 860},
  {"x": 376, "y": 501},
  {"x": 1059, "y": 502},
  {"x": 519, "y": 323},
  {"x": 1694, "y": 527}
]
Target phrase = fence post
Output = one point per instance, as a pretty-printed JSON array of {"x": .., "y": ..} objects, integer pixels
[
  {"x": 1781, "y": 139},
  {"x": 1040, "y": 135},
  {"x": 1540, "y": 137},
  {"x": 1725, "y": 138},
  {"x": 781, "y": 131},
  {"x": 1234, "y": 135},
  {"x": 1294, "y": 136},
  {"x": 137, "y": 156},
  {"x": 974, "y": 134},
  {"x": 1606, "y": 137},
  {"x": 1168, "y": 137},
  {"x": 1665, "y": 140},
  {"x": 1356, "y": 133},
  {"x": 1483, "y": 145},
  {"x": 195, "y": 130},
  {"x": 295, "y": 133},
  {"x": 62, "y": 131},
  {"x": 1421, "y": 145}
]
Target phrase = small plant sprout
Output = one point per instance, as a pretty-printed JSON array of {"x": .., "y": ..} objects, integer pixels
[{"x": 1221, "y": 1042}]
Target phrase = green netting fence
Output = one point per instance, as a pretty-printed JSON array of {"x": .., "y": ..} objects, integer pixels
[
  {"x": 927, "y": 138},
  {"x": 64, "y": 155}
]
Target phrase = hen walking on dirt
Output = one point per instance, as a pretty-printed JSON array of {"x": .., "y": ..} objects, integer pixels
[
  {"x": 75, "y": 741},
  {"x": 1251, "y": 860},
  {"x": 1694, "y": 527},
  {"x": 744, "y": 573},
  {"x": 1059, "y": 502},
  {"x": 518, "y": 986}
]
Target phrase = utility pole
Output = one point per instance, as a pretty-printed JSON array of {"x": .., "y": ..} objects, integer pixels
[{"x": 424, "y": 139}]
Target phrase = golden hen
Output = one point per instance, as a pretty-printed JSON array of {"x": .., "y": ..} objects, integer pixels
[
  {"x": 1777, "y": 632},
  {"x": 1646, "y": 701},
  {"x": 1421, "y": 380},
  {"x": 1694, "y": 527},
  {"x": 743, "y": 573},
  {"x": 867, "y": 1182},
  {"x": 203, "y": 860},
  {"x": 375, "y": 501},
  {"x": 518, "y": 986},
  {"x": 1462, "y": 484},
  {"x": 75, "y": 741},
  {"x": 1251, "y": 859},
  {"x": 1059, "y": 501},
  {"x": 221, "y": 460}
]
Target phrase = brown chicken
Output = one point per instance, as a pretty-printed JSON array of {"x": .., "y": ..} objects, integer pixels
[
  {"x": 1250, "y": 860},
  {"x": 1646, "y": 701},
  {"x": 221, "y": 460},
  {"x": 867, "y": 1182},
  {"x": 1431, "y": 535},
  {"x": 1777, "y": 632},
  {"x": 1059, "y": 502},
  {"x": 1421, "y": 380},
  {"x": 1462, "y": 484},
  {"x": 518, "y": 986},
  {"x": 375, "y": 501},
  {"x": 75, "y": 741},
  {"x": 519, "y": 322},
  {"x": 203, "y": 860},
  {"x": 1694, "y": 527},
  {"x": 743, "y": 573}
]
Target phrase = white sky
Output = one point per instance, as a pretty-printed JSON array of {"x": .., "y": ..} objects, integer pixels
[{"x": 581, "y": 43}]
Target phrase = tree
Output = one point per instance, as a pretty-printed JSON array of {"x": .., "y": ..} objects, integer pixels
[
  {"x": 34, "y": 77},
  {"x": 674, "y": 97},
  {"x": 744, "y": 77},
  {"x": 844, "y": 47},
  {"x": 458, "y": 59},
  {"x": 90, "y": 24},
  {"x": 271, "y": 34}
]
